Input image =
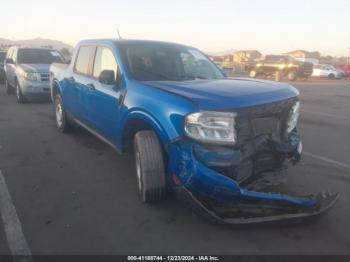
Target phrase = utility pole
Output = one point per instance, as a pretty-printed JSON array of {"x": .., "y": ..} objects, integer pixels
[{"x": 349, "y": 56}]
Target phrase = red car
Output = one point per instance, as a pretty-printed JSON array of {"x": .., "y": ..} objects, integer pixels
[{"x": 345, "y": 69}]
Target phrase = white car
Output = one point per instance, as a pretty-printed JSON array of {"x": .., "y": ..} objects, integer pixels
[{"x": 324, "y": 70}]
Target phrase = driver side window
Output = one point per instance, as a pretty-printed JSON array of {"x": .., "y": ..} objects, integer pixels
[{"x": 104, "y": 60}]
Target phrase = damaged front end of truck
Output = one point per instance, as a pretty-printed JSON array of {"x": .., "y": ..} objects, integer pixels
[{"x": 236, "y": 183}]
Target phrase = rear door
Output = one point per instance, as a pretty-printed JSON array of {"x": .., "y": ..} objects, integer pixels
[
  {"x": 103, "y": 99},
  {"x": 77, "y": 96}
]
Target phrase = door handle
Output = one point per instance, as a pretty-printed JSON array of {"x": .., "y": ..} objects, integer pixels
[{"x": 91, "y": 86}]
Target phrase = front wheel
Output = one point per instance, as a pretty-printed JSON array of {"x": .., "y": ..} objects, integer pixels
[
  {"x": 8, "y": 87},
  {"x": 62, "y": 122},
  {"x": 19, "y": 95},
  {"x": 150, "y": 171}
]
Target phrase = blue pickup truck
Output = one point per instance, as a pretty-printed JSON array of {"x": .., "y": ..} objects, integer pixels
[{"x": 221, "y": 144}]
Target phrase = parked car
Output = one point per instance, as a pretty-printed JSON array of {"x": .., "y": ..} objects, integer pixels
[
  {"x": 27, "y": 72},
  {"x": 325, "y": 70},
  {"x": 281, "y": 66},
  {"x": 2, "y": 72},
  {"x": 218, "y": 142},
  {"x": 345, "y": 69}
]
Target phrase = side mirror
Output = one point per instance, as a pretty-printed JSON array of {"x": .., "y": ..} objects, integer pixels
[
  {"x": 9, "y": 61},
  {"x": 107, "y": 77}
]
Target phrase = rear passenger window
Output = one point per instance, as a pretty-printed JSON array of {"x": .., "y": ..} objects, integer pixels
[
  {"x": 83, "y": 60},
  {"x": 104, "y": 60}
]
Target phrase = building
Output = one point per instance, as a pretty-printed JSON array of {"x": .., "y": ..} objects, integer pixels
[{"x": 305, "y": 56}]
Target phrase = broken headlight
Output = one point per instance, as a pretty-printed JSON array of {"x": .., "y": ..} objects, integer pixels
[
  {"x": 211, "y": 127},
  {"x": 293, "y": 117}
]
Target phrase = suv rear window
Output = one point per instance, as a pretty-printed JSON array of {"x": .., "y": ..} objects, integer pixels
[{"x": 84, "y": 58}]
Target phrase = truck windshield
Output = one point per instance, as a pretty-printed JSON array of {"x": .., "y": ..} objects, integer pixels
[
  {"x": 167, "y": 62},
  {"x": 39, "y": 56}
]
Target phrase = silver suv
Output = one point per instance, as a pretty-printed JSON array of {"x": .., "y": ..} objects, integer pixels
[{"x": 27, "y": 72}]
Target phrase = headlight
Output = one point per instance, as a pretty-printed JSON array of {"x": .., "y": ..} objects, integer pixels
[
  {"x": 211, "y": 127},
  {"x": 30, "y": 76},
  {"x": 293, "y": 117}
]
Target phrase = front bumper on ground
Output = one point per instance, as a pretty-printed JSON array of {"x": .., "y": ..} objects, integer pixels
[{"x": 222, "y": 199}]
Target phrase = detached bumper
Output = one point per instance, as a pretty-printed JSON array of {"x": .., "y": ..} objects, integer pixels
[
  {"x": 221, "y": 198},
  {"x": 258, "y": 214}
]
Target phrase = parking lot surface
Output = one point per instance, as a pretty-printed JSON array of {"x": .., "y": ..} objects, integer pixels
[{"x": 75, "y": 195}]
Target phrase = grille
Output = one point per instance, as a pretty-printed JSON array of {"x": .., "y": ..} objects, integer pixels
[
  {"x": 270, "y": 119},
  {"x": 44, "y": 77}
]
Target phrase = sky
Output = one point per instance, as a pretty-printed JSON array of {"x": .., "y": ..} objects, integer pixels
[{"x": 270, "y": 26}]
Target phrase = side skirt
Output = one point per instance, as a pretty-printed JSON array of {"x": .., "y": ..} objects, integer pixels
[{"x": 95, "y": 133}]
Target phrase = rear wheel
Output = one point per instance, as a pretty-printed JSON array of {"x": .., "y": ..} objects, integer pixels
[
  {"x": 62, "y": 122},
  {"x": 8, "y": 87},
  {"x": 292, "y": 76},
  {"x": 19, "y": 95},
  {"x": 150, "y": 171},
  {"x": 253, "y": 74},
  {"x": 278, "y": 76}
]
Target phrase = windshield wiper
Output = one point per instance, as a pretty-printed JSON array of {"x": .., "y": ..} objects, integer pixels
[{"x": 192, "y": 77}]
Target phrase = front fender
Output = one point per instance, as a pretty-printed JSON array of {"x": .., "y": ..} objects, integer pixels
[{"x": 164, "y": 133}]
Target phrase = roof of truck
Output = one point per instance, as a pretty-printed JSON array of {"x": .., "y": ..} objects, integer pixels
[{"x": 126, "y": 41}]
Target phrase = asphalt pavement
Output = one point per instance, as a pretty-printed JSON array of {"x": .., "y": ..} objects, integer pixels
[{"x": 75, "y": 195}]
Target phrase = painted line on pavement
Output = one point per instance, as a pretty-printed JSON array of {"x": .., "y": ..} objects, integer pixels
[
  {"x": 12, "y": 226},
  {"x": 325, "y": 114},
  {"x": 328, "y": 160}
]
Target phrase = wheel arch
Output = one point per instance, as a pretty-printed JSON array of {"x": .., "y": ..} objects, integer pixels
[
  {"x": 55, "y": 89},
  {"x": 140, "y": 121}
]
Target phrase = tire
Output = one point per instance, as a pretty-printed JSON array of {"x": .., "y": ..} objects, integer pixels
[
  {"x": 20, "y": 97},
  {"x": 8, "y": 87},
  {"x": 149, "y": 164},
  {"x": 331, "y": 76},
  {"x": 253, "y": 74},
  {"x": 278, "y": 76},
  {"x": 292, "y": 76},
  {"x": 62, "y": 122}
]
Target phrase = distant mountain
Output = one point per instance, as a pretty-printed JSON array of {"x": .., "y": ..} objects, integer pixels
[
  {"x": 37, "y": 42},
  {"x": 222, "y": 53}
]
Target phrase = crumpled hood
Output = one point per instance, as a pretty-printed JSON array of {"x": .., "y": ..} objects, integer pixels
[
  {"x": 228, "y": 93},
  {"x": 39, "y": 68}
]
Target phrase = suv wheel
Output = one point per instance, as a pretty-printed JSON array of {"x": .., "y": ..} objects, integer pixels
[
  {"x": 62, "y": 122},
  {"x": 292, "y": 76},
  {"x": 20, "y": 98},
  {"x": 8, "y": 87},
  {"x": 252, "y": 73},
  {"x": 331, "y": 76},
  {"x": 150, "y": 171}
]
